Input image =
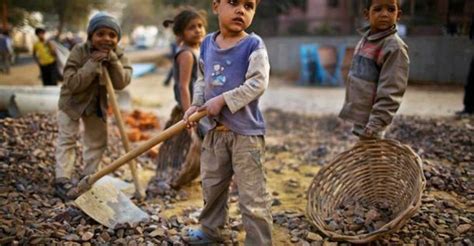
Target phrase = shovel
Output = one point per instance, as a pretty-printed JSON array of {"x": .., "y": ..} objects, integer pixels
[
  {"x": 106, "y": 204},
  {"x": 139, "y": 193}
]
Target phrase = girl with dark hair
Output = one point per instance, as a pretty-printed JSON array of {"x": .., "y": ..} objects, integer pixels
[{"x": 175, "y": 166}]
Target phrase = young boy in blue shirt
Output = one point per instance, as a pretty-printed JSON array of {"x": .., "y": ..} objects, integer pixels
[{"x": 234, "y": 73}]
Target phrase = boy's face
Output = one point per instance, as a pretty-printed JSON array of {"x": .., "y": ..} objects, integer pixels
[
  {"x": 382, "y": 15},
  {"x": 104, "y": 39},
  {"x": 234, "y": 15},
  {"x": 41, "y": 35}
]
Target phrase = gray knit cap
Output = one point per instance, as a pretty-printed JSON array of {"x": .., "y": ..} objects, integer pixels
[{"x": 103, "y": 19}]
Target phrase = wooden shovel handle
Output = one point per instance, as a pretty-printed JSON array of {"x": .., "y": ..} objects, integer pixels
[
  {"x": 166, "y": 134},
  {"x": 121, "y": 126}
]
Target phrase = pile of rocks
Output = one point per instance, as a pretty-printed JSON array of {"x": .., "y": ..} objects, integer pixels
[
  {"x": 357, "y": 218},
  {"x": 31, "y": 214}
]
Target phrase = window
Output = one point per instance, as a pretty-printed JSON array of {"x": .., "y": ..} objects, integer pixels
[{"x": 456, "y": 6}]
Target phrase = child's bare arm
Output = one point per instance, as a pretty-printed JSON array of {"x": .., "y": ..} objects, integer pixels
[
  {"x": 256, "y": 82},
  {"x": 76, "y": 77},
  {"x": 120, "y": 70},
  {"x": 391, "y": 87},
  {"x": 185, "y": 62}
]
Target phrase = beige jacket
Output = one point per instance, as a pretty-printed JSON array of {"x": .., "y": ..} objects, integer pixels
[
  {"x": 82, "y": 85},
  {"x": 377, "y": 80}
]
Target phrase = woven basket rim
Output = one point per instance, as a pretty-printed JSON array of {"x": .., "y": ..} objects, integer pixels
[{"x": 394, "y": 224}]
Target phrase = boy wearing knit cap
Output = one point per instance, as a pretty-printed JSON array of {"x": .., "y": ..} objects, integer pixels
[{"x": 83, "y": 98}]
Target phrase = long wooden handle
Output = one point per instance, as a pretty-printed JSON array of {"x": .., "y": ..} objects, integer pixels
[
  {"x": 166, "y": 134},
  {"x": 121, "y": 126}
]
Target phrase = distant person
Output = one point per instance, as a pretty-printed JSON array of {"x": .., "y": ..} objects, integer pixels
[
  {"x": 469, "y": 88},
  {"x": 71, "y": 40},
  {"x": 183, "y": 151},
  {"x": 173, "y": 48},
  {"x": 471, "y": 31},
  {"x": 45, "y": 57},
  {"x": 6, "y": 52},
  {"x": 234, "y": 72},
  {"x": 469, "y": 92},
  {"x": 451, "y": 27},
  {"x": 83, "y": 97},
  {"x": 169, "y": 76},
  {"x": 378, "y": 76}
]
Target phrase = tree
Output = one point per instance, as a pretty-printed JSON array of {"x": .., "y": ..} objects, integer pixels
[
  {"x": 16, "y": 12},
  {"x": 72, "y": 13},
  {"x": 266, "y": 16},
  {"x": 139, "y": 12},
  {"x": 75, "y": 12}
]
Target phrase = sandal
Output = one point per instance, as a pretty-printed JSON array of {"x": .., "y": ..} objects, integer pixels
[
  {"x": 197, "y": 237},
  {"x": 62, "y": 187}
]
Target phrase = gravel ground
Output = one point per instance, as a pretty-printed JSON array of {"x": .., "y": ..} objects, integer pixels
[
  {"x": 297, "y": 145},
  {"x": 303, "y": 134}
]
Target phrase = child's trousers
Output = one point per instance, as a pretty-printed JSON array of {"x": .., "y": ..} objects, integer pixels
[
  {"x": 94, "y": 144},
  {"x": 358, "y": 130},
  {"x": 225, "y": 153}
]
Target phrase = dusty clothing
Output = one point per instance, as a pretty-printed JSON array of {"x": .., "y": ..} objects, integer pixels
[
  {"x": 83, "y": 96},
  {"x": 178, "y": 160},
  {"x": 6, "y": 52},
  {"x": 5, "y": 59},
  {"x": 241, "y": 75},
  {"x": 377, "y": 80},
  {"x": 94, "y": 141},
  {"x": 82, "y": 87},
  {"x": 358, "y": 130},
  {"x": 235, "y": 144},
  {"x": 224, "y": 154}
]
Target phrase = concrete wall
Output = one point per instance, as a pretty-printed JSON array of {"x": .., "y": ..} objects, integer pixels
[{"x": 437, "y": 60}]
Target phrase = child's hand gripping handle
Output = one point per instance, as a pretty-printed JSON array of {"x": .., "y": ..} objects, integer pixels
[{"x": 87, "y": 182}]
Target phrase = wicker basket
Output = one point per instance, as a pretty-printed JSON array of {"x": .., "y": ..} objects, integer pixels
[{"x": 372, "y": 171}]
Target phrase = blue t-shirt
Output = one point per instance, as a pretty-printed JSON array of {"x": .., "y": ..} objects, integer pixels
[{"x": 226, "y": 69}]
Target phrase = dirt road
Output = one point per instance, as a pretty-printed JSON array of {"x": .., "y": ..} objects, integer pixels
[{"x": 148, "y": 92}]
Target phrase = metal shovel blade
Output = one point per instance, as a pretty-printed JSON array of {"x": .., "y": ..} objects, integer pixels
[
  {"x": 125, "y": 187},
  {"x": 109, "y": 206}
]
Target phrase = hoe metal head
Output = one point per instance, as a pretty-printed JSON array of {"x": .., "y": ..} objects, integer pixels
[{"x": 108, "y": 205}]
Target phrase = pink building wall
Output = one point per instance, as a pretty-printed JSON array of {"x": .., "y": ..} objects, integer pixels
[
  {"x": 319, "y": 14},
  {"x": 346, "y": 17}
]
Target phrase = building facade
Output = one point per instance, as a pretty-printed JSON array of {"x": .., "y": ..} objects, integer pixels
[{"x": 343, "y": 17}]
